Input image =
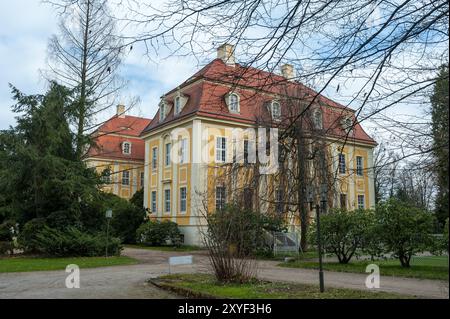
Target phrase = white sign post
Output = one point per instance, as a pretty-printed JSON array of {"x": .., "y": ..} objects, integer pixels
[{"x": 180, "y": 260}]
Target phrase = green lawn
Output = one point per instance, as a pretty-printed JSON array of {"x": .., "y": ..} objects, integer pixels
[
  {"x": 432, "y": 267},
  {"x": 21, "y": 264},
  {"x": 166, "y": 248},
  {"x": 192, "y": 284}
]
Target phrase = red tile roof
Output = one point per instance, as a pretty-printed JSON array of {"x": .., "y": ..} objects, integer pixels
[
  {"x": 207, "y": 88},
  {"x": 127, "y": 125},
  {"x": 109, "y": 137}
]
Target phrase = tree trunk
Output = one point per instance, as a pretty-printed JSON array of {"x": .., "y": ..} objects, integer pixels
[
  {"x": 303, "y": 210},
  {"x": 83, "y": 97}
]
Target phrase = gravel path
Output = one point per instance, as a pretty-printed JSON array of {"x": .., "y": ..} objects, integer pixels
[{"x": 130, "y": 281}]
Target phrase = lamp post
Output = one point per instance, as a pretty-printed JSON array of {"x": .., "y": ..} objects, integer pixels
[
  {"x": 323, "y": 199},
  {"x": 108, "y": 216}
]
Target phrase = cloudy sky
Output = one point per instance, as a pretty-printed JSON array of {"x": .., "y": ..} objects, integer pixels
[
  {"x": 27, "y": 25},
  {"x": 25, "y": 28}
]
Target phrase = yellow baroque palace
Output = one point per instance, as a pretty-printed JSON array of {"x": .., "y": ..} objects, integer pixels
[
  {"x": 193, "y": 136},
  {"x": 118, "y": 153}
]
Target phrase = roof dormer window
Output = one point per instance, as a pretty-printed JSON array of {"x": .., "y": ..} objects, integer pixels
[
  {"x": 177, "y": 104},
  {"x": 232, "y": 100},
  {"x": 317, "y": 119},
  {"x": 347, "y": 124},
  {"x": 162, "y": 110},
  {"x": 179, "y": 101},
  {"x": 275, "y": 110},
  {"x": 126, "y": 148}
]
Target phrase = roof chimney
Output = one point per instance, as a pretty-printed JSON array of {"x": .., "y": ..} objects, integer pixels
[
  {"x": 287, "y": 70},
  {"x": 121, "y": 111},
  {"x": 226, "y": 53}
]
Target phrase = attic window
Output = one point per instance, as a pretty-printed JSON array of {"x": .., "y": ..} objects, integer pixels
[
  {"x": 126, "y": 148},
  {"x": 233, "y": 103},
  {"x": 347, "y": 124},
  {"x": 162, "y": 111},
  {"x": 177, "y": 105},
  {"x": 275, "y": 110},
  {"x": 317, "y": 119}
]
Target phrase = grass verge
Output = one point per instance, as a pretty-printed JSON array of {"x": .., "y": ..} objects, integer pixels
[
  {"x": 433, "y": 267},
  {"x": 23, "y": 264},
  {"x": 205, "y": 286}
]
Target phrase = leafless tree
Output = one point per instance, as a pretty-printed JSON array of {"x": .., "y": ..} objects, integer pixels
[{"x": 86, "y": 56}]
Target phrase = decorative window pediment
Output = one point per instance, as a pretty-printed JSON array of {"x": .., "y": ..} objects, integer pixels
[{"x": 233, "y": 102}]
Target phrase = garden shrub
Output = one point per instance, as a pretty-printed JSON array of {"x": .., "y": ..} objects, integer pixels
[
  {"x": 344, "y": 232},
  {"x": 72, "y": 242},
  {"x": 158, "y": 233},
  {"x": 234, "y": 237},
  {"x": 404, "y": 230},
  {"x": 126, "y": 220},
  {"x": 28, "y": 234},
  {"x": 7, "y": 230}
]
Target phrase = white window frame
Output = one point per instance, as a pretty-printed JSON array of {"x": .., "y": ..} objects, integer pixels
[
  {"x": 126, "y": 179},
  {"x": 183, "y": 199},
  {"x": 167, "y": 201},
  {"x": 231, "y": 105},
  {"x": 277, "y": 116},
  {"x": 126, "y": 148},
  {"x": 342, "y": 166},
  {"x": 359, "y": 166},
  {"x": 154, "y": 158},
  {"x": 221, "y": 202},
  {"x": 153, "y": 202},
  {"x": 162, "y": 111},
  {"x": 361, "y": 201},
  {"x": 167, "y": 150},
  {"x": 221, "y": 149}
]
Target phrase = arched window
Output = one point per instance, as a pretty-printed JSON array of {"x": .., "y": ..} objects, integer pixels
[
  {"x": 276, "y": 110},
  {"x": 126, "y": 148},
  {"x": 162, "y": 111},
  {"x": 317, "y": 119},
  {"x": 233, "y": 102}
]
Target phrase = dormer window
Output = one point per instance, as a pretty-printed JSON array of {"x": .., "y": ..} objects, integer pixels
[
  {"x": 179, "y": 101},
  {"x": 347, "y": 124},
  {"x": 126, "y": 148},
  {"x": 177, "y": 104},
  {"x": 317, "y": 119},
  {"x": 275, "y": 110},
  {"x": 162, "y": 111},
  {"x": 233, "y": 103}
]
